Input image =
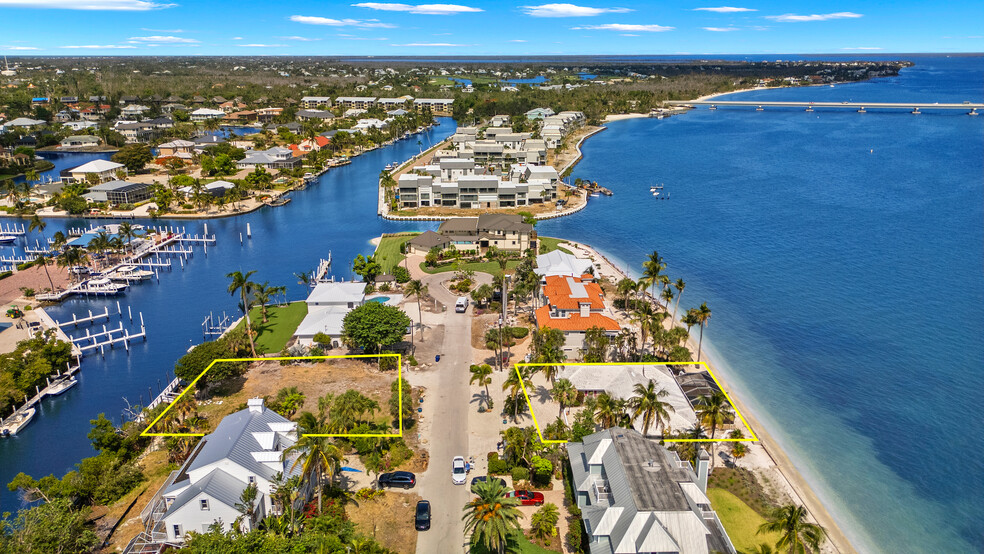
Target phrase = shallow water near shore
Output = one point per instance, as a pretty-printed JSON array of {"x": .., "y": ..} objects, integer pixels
[{"x": 840, "y": 254}]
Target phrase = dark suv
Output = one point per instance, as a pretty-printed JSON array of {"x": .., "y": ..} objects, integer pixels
[
  {"x": 422, "y": 519},
  {"x": 403, "y": 479},
  {"x": 482, "y": 478}
]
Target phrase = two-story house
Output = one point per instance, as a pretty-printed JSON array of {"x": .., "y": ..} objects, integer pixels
[{"x": 574, "y": 305}]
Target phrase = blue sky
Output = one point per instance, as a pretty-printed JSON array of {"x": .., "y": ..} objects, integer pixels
[{"x": 250, "y": 27}]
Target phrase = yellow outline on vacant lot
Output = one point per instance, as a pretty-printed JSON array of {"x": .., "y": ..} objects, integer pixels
[
  {"x": 539, "y": 432},
  {"x": 399, "y": 387}
]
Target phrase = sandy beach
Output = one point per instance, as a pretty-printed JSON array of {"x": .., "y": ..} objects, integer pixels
[
  {"x": 770, "y": 463},
  {"x": 620, "y": 116}
]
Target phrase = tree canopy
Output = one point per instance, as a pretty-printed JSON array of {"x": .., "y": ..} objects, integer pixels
[{"x": 373, "y": 325}]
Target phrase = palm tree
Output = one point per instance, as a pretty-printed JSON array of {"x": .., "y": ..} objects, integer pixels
[
  {"x": 417, "y": 288},
  {"x": 241, "y": 283},
  {"x": 626, "y": 287},
  {"x": 544, "y": 521},
  {"x": 261, "y": 296},
  {"x": 651, "y": 270},
  {"x": 517, "y": 380},
  {"x": 128, "y": 233},
  {"x": 703, "y": 314},
  {"x": 38, "y": 224},
  {"x": 796, "y": 534},
  {"x": 482, "y": 376},
  {"x": 317, "y": 456},
  {"x": 712, "y": 411},
  {"x": 647, "y": 403},
  {"x": 491, "y": 516},
  {"x": 564, "y": 393},
  {"x": 679, "y": 284},
  {"x": 607, "y": 412},
  {"x": 738, "y": 451},
  {"x": 666, "y": 295},
  {"x": 72, "y": 257}
]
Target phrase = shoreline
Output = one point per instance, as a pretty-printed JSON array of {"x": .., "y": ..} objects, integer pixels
[{"x": 802, "y": 491}]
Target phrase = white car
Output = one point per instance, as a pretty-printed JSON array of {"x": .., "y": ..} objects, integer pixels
[{"x": 458, "y": 472}]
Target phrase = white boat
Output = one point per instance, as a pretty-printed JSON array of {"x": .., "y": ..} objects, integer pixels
[
  {"x": 62, "y": 385},
  {"x": 308, "y": 176},
  {"x": 102, "y": 286},
  {"x": 131, "y": 273},
  {"x": 80, "y": 270},
  {"x": 7, "y": 239},
  {"x": 18, "y": 421},
  {"x": 655, "y": 194}
]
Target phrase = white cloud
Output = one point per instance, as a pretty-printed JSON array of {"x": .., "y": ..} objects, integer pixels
[
  {"x": 164, "y": 39},
  {"x": 262, "y": 45},
  {"x": 237, "y": 38},
  {"x": 517, "y": 40},
  {"x": 569, "y": 10},
  {"x": 96, "y": 46},
  {"x": 724, "y": 9},
  {"x": 792, "y": 18},
  {"x": 300, "y": 39},
  {"x": 624, "y": 27},
  {"x": 628, "y": 35},
  {"x": 720, "y": 29},
  {"x": 163, "y": 30},
  {"x": 863, "y": 48},
  {"x": 315, "y": 20},
  {"x": 20, "y": 48},
  {"x": 108, "y": 5},
  {"x": 349, "y": 37},
  {"x": 444, "y": 44},
  {"x": 422, "y": 9}
]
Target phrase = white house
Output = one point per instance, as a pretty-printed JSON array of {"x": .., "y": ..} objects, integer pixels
[
  {"x": 328, "y": 304},
  {"x": 561, "y": 263},
  {"x": 204, "y": 114},
  {"x": 104, "y": 169},
  {"x": 245, "y": 448}
]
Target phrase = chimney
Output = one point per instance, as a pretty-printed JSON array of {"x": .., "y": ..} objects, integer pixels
[
  {"x": 255, "y": 405},
  {"x": 585, "y": 309},
  {"x": 703, "y": 461}
]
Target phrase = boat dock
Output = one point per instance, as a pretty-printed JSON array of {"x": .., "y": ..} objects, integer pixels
[
  {"x": 860, "y": 107},
  {"x": 20, "y": 417},
  {"x": 13, "y": 230},
  {"x": 112, "y": 337},
  {"x": 213, "y": 326}
]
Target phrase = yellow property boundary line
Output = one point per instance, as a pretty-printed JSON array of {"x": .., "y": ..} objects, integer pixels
[
  {"x": 754, "y": 437},
  {"x": 399, "y": 387}
]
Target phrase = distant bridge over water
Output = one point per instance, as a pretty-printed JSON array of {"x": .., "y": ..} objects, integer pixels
[{"x": 861, "y": 107}]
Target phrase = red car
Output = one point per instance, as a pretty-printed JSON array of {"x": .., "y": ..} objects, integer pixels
[{"x": 527, "y": 498}]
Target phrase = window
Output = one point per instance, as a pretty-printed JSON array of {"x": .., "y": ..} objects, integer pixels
[
  {"x": 204, "y": 504},
  {"x": 251, "y": 479},
  {"x": 177, "y": 531}
]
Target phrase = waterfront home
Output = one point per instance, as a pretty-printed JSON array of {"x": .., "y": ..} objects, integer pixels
[
  {"x": 636, "y": 496},
  {"x": 272, "y": 158},
  {"x": 266, "y": 115},
  {"x": 314, "y": 115},
  {"x": 245, "y": 449},
  {"x": 539, "y": 113},
  {"x": 104, "y": 170},
  {"x": 463, "y": 183},
  {"x": 217, "y": 189},
  {"x": 175, "y": 147},
  {"x": 558, "y": 263},
  {"x": 46, "y": 191},
  {"x": 232, "y": 106},
  {"x": 619, "y": 382},
  {"x": 316, "y": 102},
  {"x": 574, "y": 305},
  {"x": 310, "y": 145},
  {"x": 204, "y": 141},
  {"x": 360, "y": 102},
  {"x": 120, "y": 192},
  {"x": 204, "y": 114},
  {"x": 245, "y": 116},
  {"x": 436, "y": 106},
  {"x": 328, "y": 304},
  {"x": 393, "y": 103},
  {"x": 364, "y": 125},
  {"x": 144, "y": 131},
  {"x": 504, "y": 231},
  {"x": 79, "y": 141},
  {"x": 422, "y": 243},
  {"x": 8, "y": 157}
]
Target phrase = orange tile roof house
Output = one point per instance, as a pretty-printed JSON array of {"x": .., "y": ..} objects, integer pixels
[{"x": 574, "y": 305}]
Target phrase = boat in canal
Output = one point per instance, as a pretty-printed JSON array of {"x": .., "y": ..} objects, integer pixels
[
  {"x": 103, "y": 286},
  {"x": 61, "y": 385},
  {"x": 18, "y": 421},
  {"x": 130, "y": 273}
]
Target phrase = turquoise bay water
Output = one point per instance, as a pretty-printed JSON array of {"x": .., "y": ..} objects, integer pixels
[{"x": 841, "y": 255}]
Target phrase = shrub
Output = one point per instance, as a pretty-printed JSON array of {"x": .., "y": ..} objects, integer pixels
[
  {"x": 388, "y": 363},
  {"x": 401, "y": 274},
  {"x": 574, "y": 534},
  {"x": 316, "y": 351},
  {"x": 497, "y": 466},
  {"x": 411, "y": 360},
  {"x": 385, "y": 287},
  {"x": 187, "y": 206},
  {"x": 495, "y": 307},
  {"x": 399, "y": 452},
  {"x": 520, "y": 473},
  {"x": 519, "y": 332},
  {"x": 366, "y": 493},
  {"x": 542, "y": 470}
]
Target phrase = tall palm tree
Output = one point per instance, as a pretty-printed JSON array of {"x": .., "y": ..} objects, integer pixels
[
  {"x": 666, "y": 295},
  {"x": 647, "y": 402},
  {"x": 713, "y": 411},
  {"x": 607, "y": 411},
  {"x": 679, "y": 284},
  {"x": 738, "y": 451},
  {"x": 128, "y": 233},
  {"x": 482, "y": 376},
  {"x": 241, "y": 283},
  {"x": 418, "y": 289},
  {"x": 703, "y": 314},
  {"x": 518, "y": 378},
  {"x": 72, "y": 257},
  {"x": 796, "y": 534},
  {"x": 38, "y": 224},
  {"x": 626, "y": 287},
  {"x": 491, "y": 516},
  {"x": 317, "y": 456},
  {"x": 564, "y": 393},
  {"x": 651, "y": 270},
  {"x": 261, "y": 296}
]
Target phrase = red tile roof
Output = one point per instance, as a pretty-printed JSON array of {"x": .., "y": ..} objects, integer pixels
[
  {"x": 558, "y": 292},
  {"x": 574, "y": 322}
]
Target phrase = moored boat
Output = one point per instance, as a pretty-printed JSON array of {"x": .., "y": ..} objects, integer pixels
[
  {"x": 130, "y": 273},
  {"x": 62, "y": 385},
  {"x": 102, "y": 286},
  {"x": 18, "y": 421},
  {"x": 7, "y": 239}
]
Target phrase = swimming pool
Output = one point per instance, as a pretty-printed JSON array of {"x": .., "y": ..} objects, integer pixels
[{"x": 380, "y": 299}]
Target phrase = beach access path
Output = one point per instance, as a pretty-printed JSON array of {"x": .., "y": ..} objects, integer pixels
[{"x": 765, "y": 458}]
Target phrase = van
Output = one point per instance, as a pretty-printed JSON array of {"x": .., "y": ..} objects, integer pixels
[{"x": 461, "y": 305}]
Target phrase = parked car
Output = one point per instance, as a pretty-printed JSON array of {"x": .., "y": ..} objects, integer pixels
[
  {"x": 403, "y": 479},
  {"x": 483, "y": 478},
  {"x": 422, "y": 519},
  {"x": 527, "y": 498},
  {"x": 461, "y": 305},
  {"x": 458, "y": 472}
]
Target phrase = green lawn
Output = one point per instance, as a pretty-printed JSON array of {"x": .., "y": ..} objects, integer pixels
[
  {"x": 478, "y": 267},
  {"x": 517, "y": 543},
  {"x": 280, "y": 326},
  {"x": 739, "y": 520},
  {"x": 388, "y": 252},
  {"x": 549, "y": 244}
]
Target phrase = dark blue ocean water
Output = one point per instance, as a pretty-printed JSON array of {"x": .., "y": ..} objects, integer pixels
[{"x": 841, "y": 255}]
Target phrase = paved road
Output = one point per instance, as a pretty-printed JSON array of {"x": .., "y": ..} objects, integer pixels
[{"x": 448, "y": 409}]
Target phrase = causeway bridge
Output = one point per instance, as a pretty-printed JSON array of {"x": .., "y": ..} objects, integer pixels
[{"x": 860, "y": 107}]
